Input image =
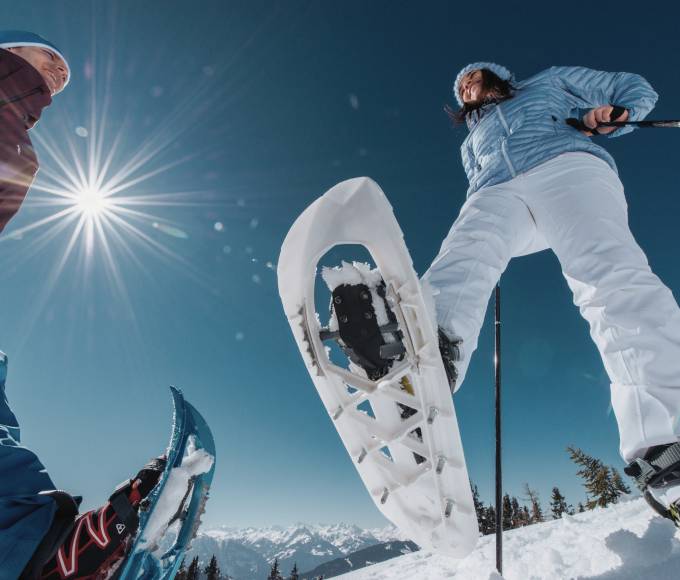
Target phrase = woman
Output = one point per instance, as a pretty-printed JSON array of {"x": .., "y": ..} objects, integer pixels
[
  {"x": 41, "y": 533},
  {"x": 537, "y": 183}
]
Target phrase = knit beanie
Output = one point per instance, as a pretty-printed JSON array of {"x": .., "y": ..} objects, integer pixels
[
  {"x": 500, "y": 71},
  {"x": 14, "y": 38}
]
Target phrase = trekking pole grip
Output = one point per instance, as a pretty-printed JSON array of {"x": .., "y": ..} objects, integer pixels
[{"x": 579, "y": 125}]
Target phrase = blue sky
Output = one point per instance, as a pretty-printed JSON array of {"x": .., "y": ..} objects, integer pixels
[{"x": 256, "y": 109}]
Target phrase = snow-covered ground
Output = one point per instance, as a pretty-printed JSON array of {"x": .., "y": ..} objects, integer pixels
[{"x": 623, "y": 542}]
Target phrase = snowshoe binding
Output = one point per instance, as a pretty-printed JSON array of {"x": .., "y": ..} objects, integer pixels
[
  {"x": 450, "y": 349},
  {"x": 99, "y": 539},
  {"x": 362, "y": 321},
  {"x": 365, "y": 326},
  {"x": 657, "y": 475},
  {"x": 367, "y": 330}
]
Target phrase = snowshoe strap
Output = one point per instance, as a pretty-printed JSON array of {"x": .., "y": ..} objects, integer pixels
[
  {"x": 657, "y": 463},
  {"x": 120, "y": 502}
]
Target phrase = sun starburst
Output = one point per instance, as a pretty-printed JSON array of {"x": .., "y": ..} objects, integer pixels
[
  {"x": 92, "y": 201},
  {"x": 101, "y": 202}
]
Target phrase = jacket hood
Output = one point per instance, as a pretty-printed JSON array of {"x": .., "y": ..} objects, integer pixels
[{"x": 497, "y": 69}]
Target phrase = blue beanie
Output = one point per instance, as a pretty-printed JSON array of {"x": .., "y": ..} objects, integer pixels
[
  {"x": 500, "y": 71},
  {"x": 13, "y": 38}
]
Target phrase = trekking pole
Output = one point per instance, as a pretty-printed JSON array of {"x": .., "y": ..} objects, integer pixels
[
  {"x": 578, "y": 124},
  {"x": 499, "y": 465}
]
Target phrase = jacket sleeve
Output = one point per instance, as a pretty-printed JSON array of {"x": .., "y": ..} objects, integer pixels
[
  {"x": 592, "y": 88},
  {"x": 18, "y": 167},
  {"x": 11, "y": 198}
]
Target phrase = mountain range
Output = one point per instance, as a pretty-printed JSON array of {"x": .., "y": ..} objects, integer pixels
[{"x": 247, "y": 553}]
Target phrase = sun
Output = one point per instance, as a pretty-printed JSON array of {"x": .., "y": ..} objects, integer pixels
[{"x": 92, "y": 202}]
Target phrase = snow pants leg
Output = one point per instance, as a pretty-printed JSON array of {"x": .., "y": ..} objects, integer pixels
[
  {"x": 494, "y": 225},
  {"x": 634, "y": 319},
  {"x": 575, "y": 204},
  {"x": 25, "y": 515}
]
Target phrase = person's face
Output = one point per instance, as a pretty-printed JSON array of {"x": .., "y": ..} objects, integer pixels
[
  {"x": 471, "y": 87},
  {"x": 51, "y": 67}
]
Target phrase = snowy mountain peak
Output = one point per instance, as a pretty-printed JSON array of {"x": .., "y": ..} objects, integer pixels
[{"x": 247, "y": 552}]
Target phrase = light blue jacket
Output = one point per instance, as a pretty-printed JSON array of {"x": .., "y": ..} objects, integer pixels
[{"x": 513, "y": 136}]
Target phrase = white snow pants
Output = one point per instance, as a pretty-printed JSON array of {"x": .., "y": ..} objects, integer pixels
[{"x": 575, "y": 205}]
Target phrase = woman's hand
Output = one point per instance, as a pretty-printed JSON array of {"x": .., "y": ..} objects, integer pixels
[{"x": 601, "y": 115}]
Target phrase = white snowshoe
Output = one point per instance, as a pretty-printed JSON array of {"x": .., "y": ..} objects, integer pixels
[{"x": 391, "y": 403}]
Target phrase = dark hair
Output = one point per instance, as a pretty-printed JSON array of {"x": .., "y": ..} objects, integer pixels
[{"x": 491, "y": 83}]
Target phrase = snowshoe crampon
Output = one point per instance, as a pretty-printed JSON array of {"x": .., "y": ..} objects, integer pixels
[
  {"x": 170, "y": 515},
  {"x": 391, "y": 403}
]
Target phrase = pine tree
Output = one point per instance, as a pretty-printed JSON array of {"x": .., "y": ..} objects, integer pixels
[
  {"x": 486, "y": 522},
  {"x": 534, "y": 500},
  {"x": 212, "y": 570},
  {"x": 603, "y": 483},
  {"x": 193, "y": 571},
  {"x": 479, "y": 508},
  {"x": 274, "y": 573},
  {"x": 516, "y": 513},
  {"x": 507, "y": 513},
  {"x": 618, "y": 483},
  {"x": 604, "y": 491},
  {"x": 581, "y": 509},
  {"x": 182, "y": 572},
  {"x": 294, "y": 574},
  {"x": 490, "y": 520},
  {"x": 558, "y": 504}
]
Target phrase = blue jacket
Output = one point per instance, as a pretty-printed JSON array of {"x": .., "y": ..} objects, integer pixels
[
  {"x": 25, "y": 514},
  {"x": 519, "y": 133}
]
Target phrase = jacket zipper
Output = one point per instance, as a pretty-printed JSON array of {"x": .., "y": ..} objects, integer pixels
[{"x": 504, "y": 143}]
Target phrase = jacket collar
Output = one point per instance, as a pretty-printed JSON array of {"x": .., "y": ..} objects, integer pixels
[
  {"x": 23, "y": 91},
  {"x": 474, "y": 117}
]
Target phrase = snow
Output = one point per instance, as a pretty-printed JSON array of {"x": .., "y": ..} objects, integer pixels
[
  {"x": 318, "y": 540},
  {"x": 627, "y": 541},
  {"x": 388, "y": 534},
  {"x": 249, "y": 552},
  {"x": 345, "y": 537},
  {"x": 195, "y": 462},
  {"x": 354, "y": 273}
]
